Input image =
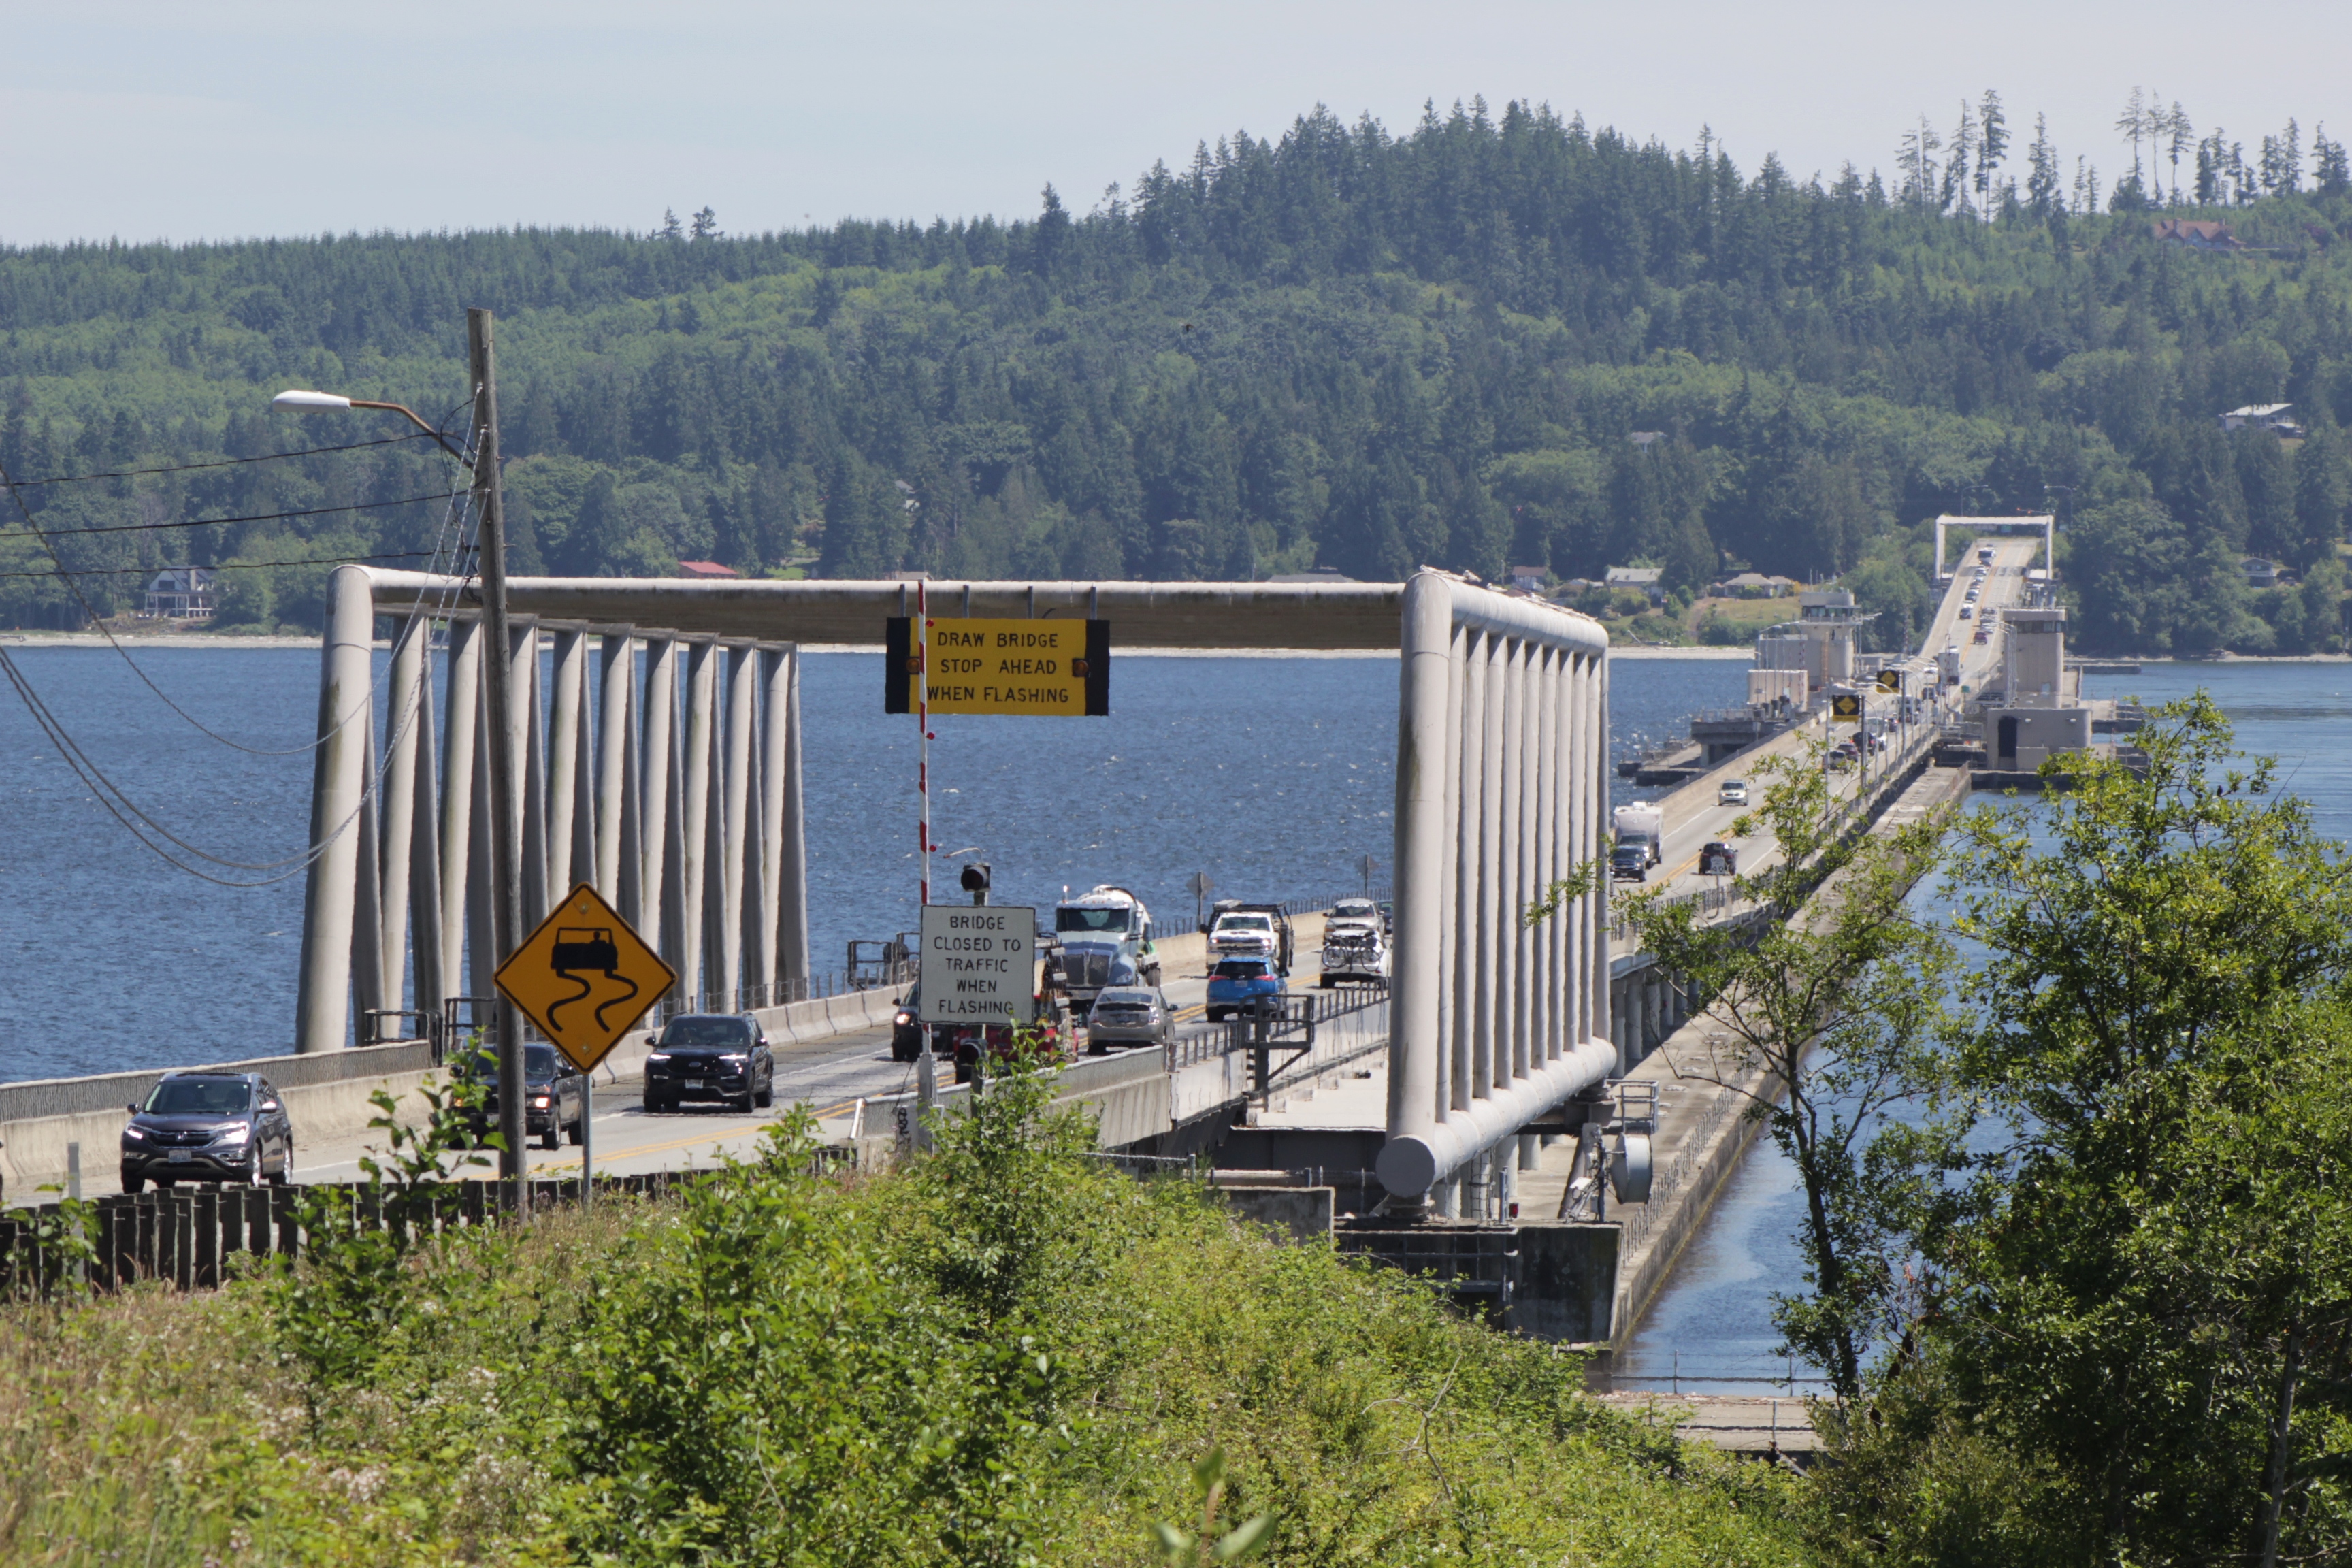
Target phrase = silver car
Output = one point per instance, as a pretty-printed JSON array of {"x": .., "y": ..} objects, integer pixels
[{"x": 1128, "y": 1016}]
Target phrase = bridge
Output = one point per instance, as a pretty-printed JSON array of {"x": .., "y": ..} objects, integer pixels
[{"x": 1438, "y": 1124}]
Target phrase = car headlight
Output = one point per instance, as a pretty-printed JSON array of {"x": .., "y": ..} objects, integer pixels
[
  {"x": 137, "y": 1135},
  {"x": 539, "y": 1102},
  {"x": 736, "y": 1056},
  {"x": 656, "y": 1056},
  {"x": 236, "y": 1134}
]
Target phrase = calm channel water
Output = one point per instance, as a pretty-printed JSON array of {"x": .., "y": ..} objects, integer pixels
[
  {"x": 1274, "y": 775},
  {"x": 1715, "y": 1314}
]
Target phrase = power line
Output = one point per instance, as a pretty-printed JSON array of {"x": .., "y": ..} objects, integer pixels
[
  {"x": 227, "y": 566},
  {"x": 256, "y": 516},
  {"x": 218, "y": 463},
  {"x": 91, "y": 610}
]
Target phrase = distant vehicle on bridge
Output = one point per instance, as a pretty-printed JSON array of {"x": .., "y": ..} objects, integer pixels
[
  {"x": 1733, "y": 793},
  {"x": 1105, "y": 930},
  {"x": 1130, "y": 1015},
  {"x": 1353, "y": 950},
  {"x": 709, "y": 1055},
  {"x": 1244, "y": 984},
  {"x": 1984, "y": 554},
  {"x": 1237, "y": 930},
  {"x": 1718, "y": 859},
  {"x": 1641, "y": 841},
  {"x": 554, "y": 1093},
  {"x": 208, "y": 1127}
]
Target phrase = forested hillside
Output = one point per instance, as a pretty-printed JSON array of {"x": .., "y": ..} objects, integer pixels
[{"x": 1343, "y": 348}]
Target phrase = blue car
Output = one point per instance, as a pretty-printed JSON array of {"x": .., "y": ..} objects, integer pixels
[{"x": 1241, "y": 985}]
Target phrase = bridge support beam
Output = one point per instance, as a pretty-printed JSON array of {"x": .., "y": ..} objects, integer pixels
[{"x": 1493, "y": 1025}]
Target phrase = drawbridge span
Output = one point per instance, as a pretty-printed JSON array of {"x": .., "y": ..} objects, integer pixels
[{"x": 673, "y": 785}]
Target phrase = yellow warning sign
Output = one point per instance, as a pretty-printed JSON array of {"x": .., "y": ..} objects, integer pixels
[
  {"x": 976, "y": 666},
  {"x": 1890, "y": 678},
  {"x": 1845, "y": 707},
  {"x": 584, "y": 977}
]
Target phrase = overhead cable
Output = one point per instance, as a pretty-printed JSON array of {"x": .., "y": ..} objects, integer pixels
[
  {"x": 219, "y": 462},
  {"x": 256, "y": 516}
]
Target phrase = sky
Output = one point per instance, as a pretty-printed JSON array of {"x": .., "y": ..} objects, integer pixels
[{"x": 137, "y": 119}]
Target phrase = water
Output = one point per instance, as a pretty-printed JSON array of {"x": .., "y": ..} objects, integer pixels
[
  {"x": 1715, "y": 1310},
  {"x": 1272, "y": 776}
]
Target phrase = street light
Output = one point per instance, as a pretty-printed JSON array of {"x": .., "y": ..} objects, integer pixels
[
  {"x": 298, "y": 402},
  {"x": 506, "y": 883}
]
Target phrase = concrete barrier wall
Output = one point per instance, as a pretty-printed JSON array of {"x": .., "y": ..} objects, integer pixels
[{"x": 327, "y": 1094}]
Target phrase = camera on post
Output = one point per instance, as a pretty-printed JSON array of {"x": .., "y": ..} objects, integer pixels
[{"x": 975, "y": 880}]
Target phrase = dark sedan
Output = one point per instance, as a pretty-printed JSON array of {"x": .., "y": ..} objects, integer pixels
[
  {"x": 710, "y": 1056},
  {"x": 208, "y": 1127},
  {"x": 555, "y": 1094}
]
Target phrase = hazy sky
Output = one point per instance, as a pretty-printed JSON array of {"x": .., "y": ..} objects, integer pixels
[{"x": 224, "y": 118}]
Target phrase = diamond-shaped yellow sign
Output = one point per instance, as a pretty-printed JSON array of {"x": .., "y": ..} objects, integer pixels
[{"x": 584, "y": 977}]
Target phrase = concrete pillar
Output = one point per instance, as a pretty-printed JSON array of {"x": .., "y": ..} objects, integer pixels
[
  {"x": 338, "y": 779},
  {"x": 1531, "y": 1148},
  {"x": 764, "y": 942},
  {"x": 530, "y": 747},
  {"x": 368, "y": 985},
  {"x": 1596, "y": 783},
  {"x": 480, "y": 963},
  {"x": 570, "y": 805},
  {"x": 1470, "y": 731},
  {"x": 791, "y": 862},
  {"x": 1447, "y": 894},
  {"x": 738, "y": 879},
  {"x": 1543, "y": 1016},
  {"x": 1485, "y": 1030},
  {"x": 406, "y": 716},
  {"x": 694, "y": 839},
  {"x": 1427, "y": 633},
  {"x": 1527, "y": 1006},
  {"x": 461, "y": 730},
  {"x": 661, "y": 789},
  {"x": 432, "y": 982},
  {"x": 616, "y": 681}
]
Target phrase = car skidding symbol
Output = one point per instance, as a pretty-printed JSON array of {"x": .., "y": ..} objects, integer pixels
[{"x": 580, "y": 950}]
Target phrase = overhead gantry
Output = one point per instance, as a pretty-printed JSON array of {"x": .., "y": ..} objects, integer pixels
[{"x": 672, "y": 782}]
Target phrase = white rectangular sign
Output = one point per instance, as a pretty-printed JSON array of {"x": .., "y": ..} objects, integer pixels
[{"x": 979, "y": 963}]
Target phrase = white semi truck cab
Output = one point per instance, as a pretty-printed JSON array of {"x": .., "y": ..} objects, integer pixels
[{"x": 1105, "y": 939}]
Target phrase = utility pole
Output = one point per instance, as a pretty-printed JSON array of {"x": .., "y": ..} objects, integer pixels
[{"x": 497, "y": 674}]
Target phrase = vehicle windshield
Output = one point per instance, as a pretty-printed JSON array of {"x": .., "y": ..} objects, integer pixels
[
  {"x": 706, "y": 1032},
  {"x": 1246, "y": 923},
  {"x": 1242, "y": 969},
  {"x": 1352, "y": 909},
  {"x": 200, "y": 1096},
  {"x": 1124, "y": 999},
  {"x": 1071, "y": 917},
  {"x": 539, "y": 1061}
]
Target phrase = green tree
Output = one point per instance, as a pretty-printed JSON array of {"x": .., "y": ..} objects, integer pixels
[{"x": 2160, "y": 1261}]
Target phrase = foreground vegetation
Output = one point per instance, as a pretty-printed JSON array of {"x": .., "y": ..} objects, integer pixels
[
  {"x": 1004, "y": 1354},
  {"x": 1339, "y": 346}
]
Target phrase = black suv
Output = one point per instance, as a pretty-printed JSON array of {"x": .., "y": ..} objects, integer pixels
[
  {"x": 555, "y": 1097},
  {"x": 208, "y": 1127},
  {"x": 710, "y": 1056},
  {"x": 907, "y": 1027}
]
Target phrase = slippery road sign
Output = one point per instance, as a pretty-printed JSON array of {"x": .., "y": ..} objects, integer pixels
[{"x": 584, "y": 977}]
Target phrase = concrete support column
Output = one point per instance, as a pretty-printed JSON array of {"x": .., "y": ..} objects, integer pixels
[
  {"x": 1447, "y": 893},
  {"x": 737, "y": 880},
  {"x": 1543, "y": 1018},
  {"x": 406, "y": 716},
  {"x": 431, "y": 980},
  {"x": 1527, "y": 976},
  {"x": 530, "y": 747},
  {"x": 1596, "y": 840},
  {"x": 337, "y": 782},
  {"x": 480, "y": 961},
  {"x": 459, "y": 767},
  {"x": 1485, "y": 1030},
  {"x": 1468, "y": 795},
  {"x": 616, "y": 681},
  {"x": 570, "y": 807},
  {"x": 765, "y": 940},
  {"x": 368, "y": 985},
  {"x": 1531, "y": 1148},
  {"x": 702, "y": 661},
  {"x": 660, "y": 786},
  {"x": 1421, "y": 825},
  {"x": 791, "y": 845}
]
